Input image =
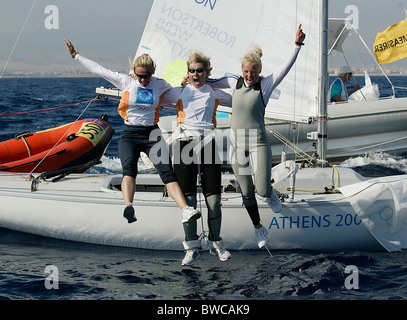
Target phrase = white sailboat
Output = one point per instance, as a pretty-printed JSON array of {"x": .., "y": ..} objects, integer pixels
[{"x": 325, "y": 208}]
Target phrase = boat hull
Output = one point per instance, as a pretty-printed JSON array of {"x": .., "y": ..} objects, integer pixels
[{"x": 82, "y": 209}]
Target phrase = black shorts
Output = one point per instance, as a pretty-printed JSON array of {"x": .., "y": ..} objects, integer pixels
[{"x": 136, "y": 139}]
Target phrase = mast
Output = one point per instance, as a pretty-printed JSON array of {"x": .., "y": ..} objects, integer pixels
[{"x": 323, "y": 84}]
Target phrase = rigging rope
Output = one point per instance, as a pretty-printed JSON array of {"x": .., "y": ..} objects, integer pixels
[
  {"x": 18, "y": 38},
  {"x": 65, "y": 106},
  {"x": 298, "y": 152},
  {"x": 73, "y": 123},
  {"x": 49, "y": 109}
]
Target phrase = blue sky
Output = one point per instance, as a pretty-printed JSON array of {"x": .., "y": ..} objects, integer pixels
[{"x": 109, "y": 31}]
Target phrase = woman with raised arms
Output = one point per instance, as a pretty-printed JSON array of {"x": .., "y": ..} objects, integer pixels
[
  {"x": 139, "y": 107},
  {"x": 197, "y": 153},
  {"x": 250, "y": 96}
]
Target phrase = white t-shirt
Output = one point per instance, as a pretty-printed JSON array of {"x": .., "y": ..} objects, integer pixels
[{"x": 196, "y": 107}]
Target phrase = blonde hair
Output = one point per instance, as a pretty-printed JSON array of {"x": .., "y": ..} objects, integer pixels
[
  {"x": 253, "y": 57},
  {"x": 144, "y": 61},
  {"x": 198, "y": 57}
]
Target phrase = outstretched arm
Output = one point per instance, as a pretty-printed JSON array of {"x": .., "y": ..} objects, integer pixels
[
  {"x": 120, "y": 80},
  {"x": 272, "y": 81}
]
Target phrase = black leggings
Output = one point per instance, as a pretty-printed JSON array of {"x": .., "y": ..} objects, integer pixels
[
  {"x": 211, "y": 180},
  {"x": 209, "y": 164}
]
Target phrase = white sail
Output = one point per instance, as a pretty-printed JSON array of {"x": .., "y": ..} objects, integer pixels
[{"x": 225, "y": 30}]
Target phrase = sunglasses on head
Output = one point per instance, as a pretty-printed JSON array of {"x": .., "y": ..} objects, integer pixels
[
  {"x": 143, "y": 76},
  {"x": 199, "y": 70}
]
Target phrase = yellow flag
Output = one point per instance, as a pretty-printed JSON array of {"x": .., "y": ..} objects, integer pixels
[{"x": 391, "y": 44}]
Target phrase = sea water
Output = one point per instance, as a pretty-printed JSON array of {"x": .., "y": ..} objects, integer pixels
[{"x": 37, "y": 268}]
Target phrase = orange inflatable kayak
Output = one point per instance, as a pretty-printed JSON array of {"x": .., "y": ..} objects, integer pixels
[{"x": 67, "y": 146}]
